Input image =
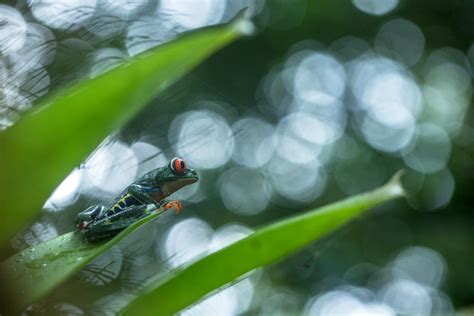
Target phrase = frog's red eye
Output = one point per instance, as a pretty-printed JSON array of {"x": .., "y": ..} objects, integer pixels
[{"x": 178, "y": 166}]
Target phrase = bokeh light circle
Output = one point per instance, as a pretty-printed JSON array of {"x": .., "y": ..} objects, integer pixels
[
  {"x": 105, "y": 59},
  {"x": 147, "y": 32},
  {"x": 435, "y": 193},
  {"x": 149, "y": 157},
  {"x": 401, "y": 40},
  {"x": 344, "y": 303},
  {"x": 391, "y": 131},
  {"x": 111, "y": 168},
  {"x": 407, "y": 297},
  {"x": 431, "y": 149},
  {"x": 319, "y": 78},
  {"x": 64, "y": 15},
  {"x": 422, "y": 265},
  {"x": 66, "y": 193},
  {"x": 227, "y": 235},
  {"x": 202, "y": 138},
  {"x": 13, "y": 30},
  {"x": 375, "y": 7},
  {"x": 297, "y": 182},
  {"x": 255, "y": 142},
  {"x": 447, "y": 93},
  {"x": 190, "y": 14},
  {"x": 302, "y": 137},
  {"x": 185, "y": 241},
  {"x": 245, "y": 191}
]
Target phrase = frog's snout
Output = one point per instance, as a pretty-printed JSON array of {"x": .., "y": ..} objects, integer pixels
[{"x": 192, "y": 174}]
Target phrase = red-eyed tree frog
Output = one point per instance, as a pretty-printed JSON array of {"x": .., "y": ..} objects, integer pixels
[{"x": 142, "y": 197}]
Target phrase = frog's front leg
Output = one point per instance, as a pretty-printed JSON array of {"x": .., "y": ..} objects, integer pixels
[
  {"x": 154, "y": 195},
  {"x": 110, "y": 226}
]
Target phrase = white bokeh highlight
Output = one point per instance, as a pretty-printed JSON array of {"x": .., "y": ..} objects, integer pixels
[
  {"x": 190, "y": 14},
  {"x": 111, "y": 168},
  {"x": 401, "y": 40},
  {"x": 344, "y": 303},
  {"x": 318, "y": 78},
  {"x": 245, "y": 191},
  {"x": 147, "y": 32},
  {"x": 375, "y": 7},
  {"x": 255, "y": 142},
  {"x": 13, "y": 30},
  {"x": 66, "y": 193},
  {"x": 431, "y": 149},
  {"x": 202, "y": 138},
  {"x": 63, "y": 15},
  {"x": 422, "y": 265},
  {"x": 185, "y": 241}
]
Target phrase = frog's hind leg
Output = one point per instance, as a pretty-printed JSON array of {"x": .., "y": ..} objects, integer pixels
[
  {"x": 103, "y": 228},
  {"x": 112, "y": 225},
  {"x": 89, "y": 214}
]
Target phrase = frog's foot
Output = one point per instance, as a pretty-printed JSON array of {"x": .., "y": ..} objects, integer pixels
[{"x": 177, "y": 205}]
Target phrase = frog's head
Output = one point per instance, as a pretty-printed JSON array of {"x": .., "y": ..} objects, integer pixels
[{"x": 174, "y": 176}]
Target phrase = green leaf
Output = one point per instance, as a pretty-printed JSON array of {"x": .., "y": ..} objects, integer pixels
[
  {"x": 49, "y": 141},
  {"x": 36, "y": 271},
  {"x": 265, "y": 246}
]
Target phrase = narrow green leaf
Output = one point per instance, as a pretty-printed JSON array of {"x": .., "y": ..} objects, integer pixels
[
  {"x": 49, "y": 141},
  {"x": 36, "y": 271},
  {"x": 267, "y": 245}
]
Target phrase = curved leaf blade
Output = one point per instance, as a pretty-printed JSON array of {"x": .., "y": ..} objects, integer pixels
[
  {"x": 265, "y": 246},
  {"x": 53, "y": 138},
  {"x": 36, "y": 271}
]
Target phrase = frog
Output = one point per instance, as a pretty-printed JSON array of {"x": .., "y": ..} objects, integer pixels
[{"x": 139, "y": 199}]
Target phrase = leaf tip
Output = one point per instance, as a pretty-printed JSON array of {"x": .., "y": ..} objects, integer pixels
[
  {"x": 395, "y": 185},
  {"x": 242, "y": 23}
]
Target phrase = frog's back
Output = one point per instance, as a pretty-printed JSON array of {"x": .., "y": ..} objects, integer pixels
[
  {"x": 121, "y": 202},
  {"x": 125, "y": 199}
]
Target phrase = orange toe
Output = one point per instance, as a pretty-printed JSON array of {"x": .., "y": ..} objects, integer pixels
[{"x": 177, "y": 205}]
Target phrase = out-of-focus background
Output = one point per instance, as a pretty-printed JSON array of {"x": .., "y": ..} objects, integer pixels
[{"x": 326, "y": 100}]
